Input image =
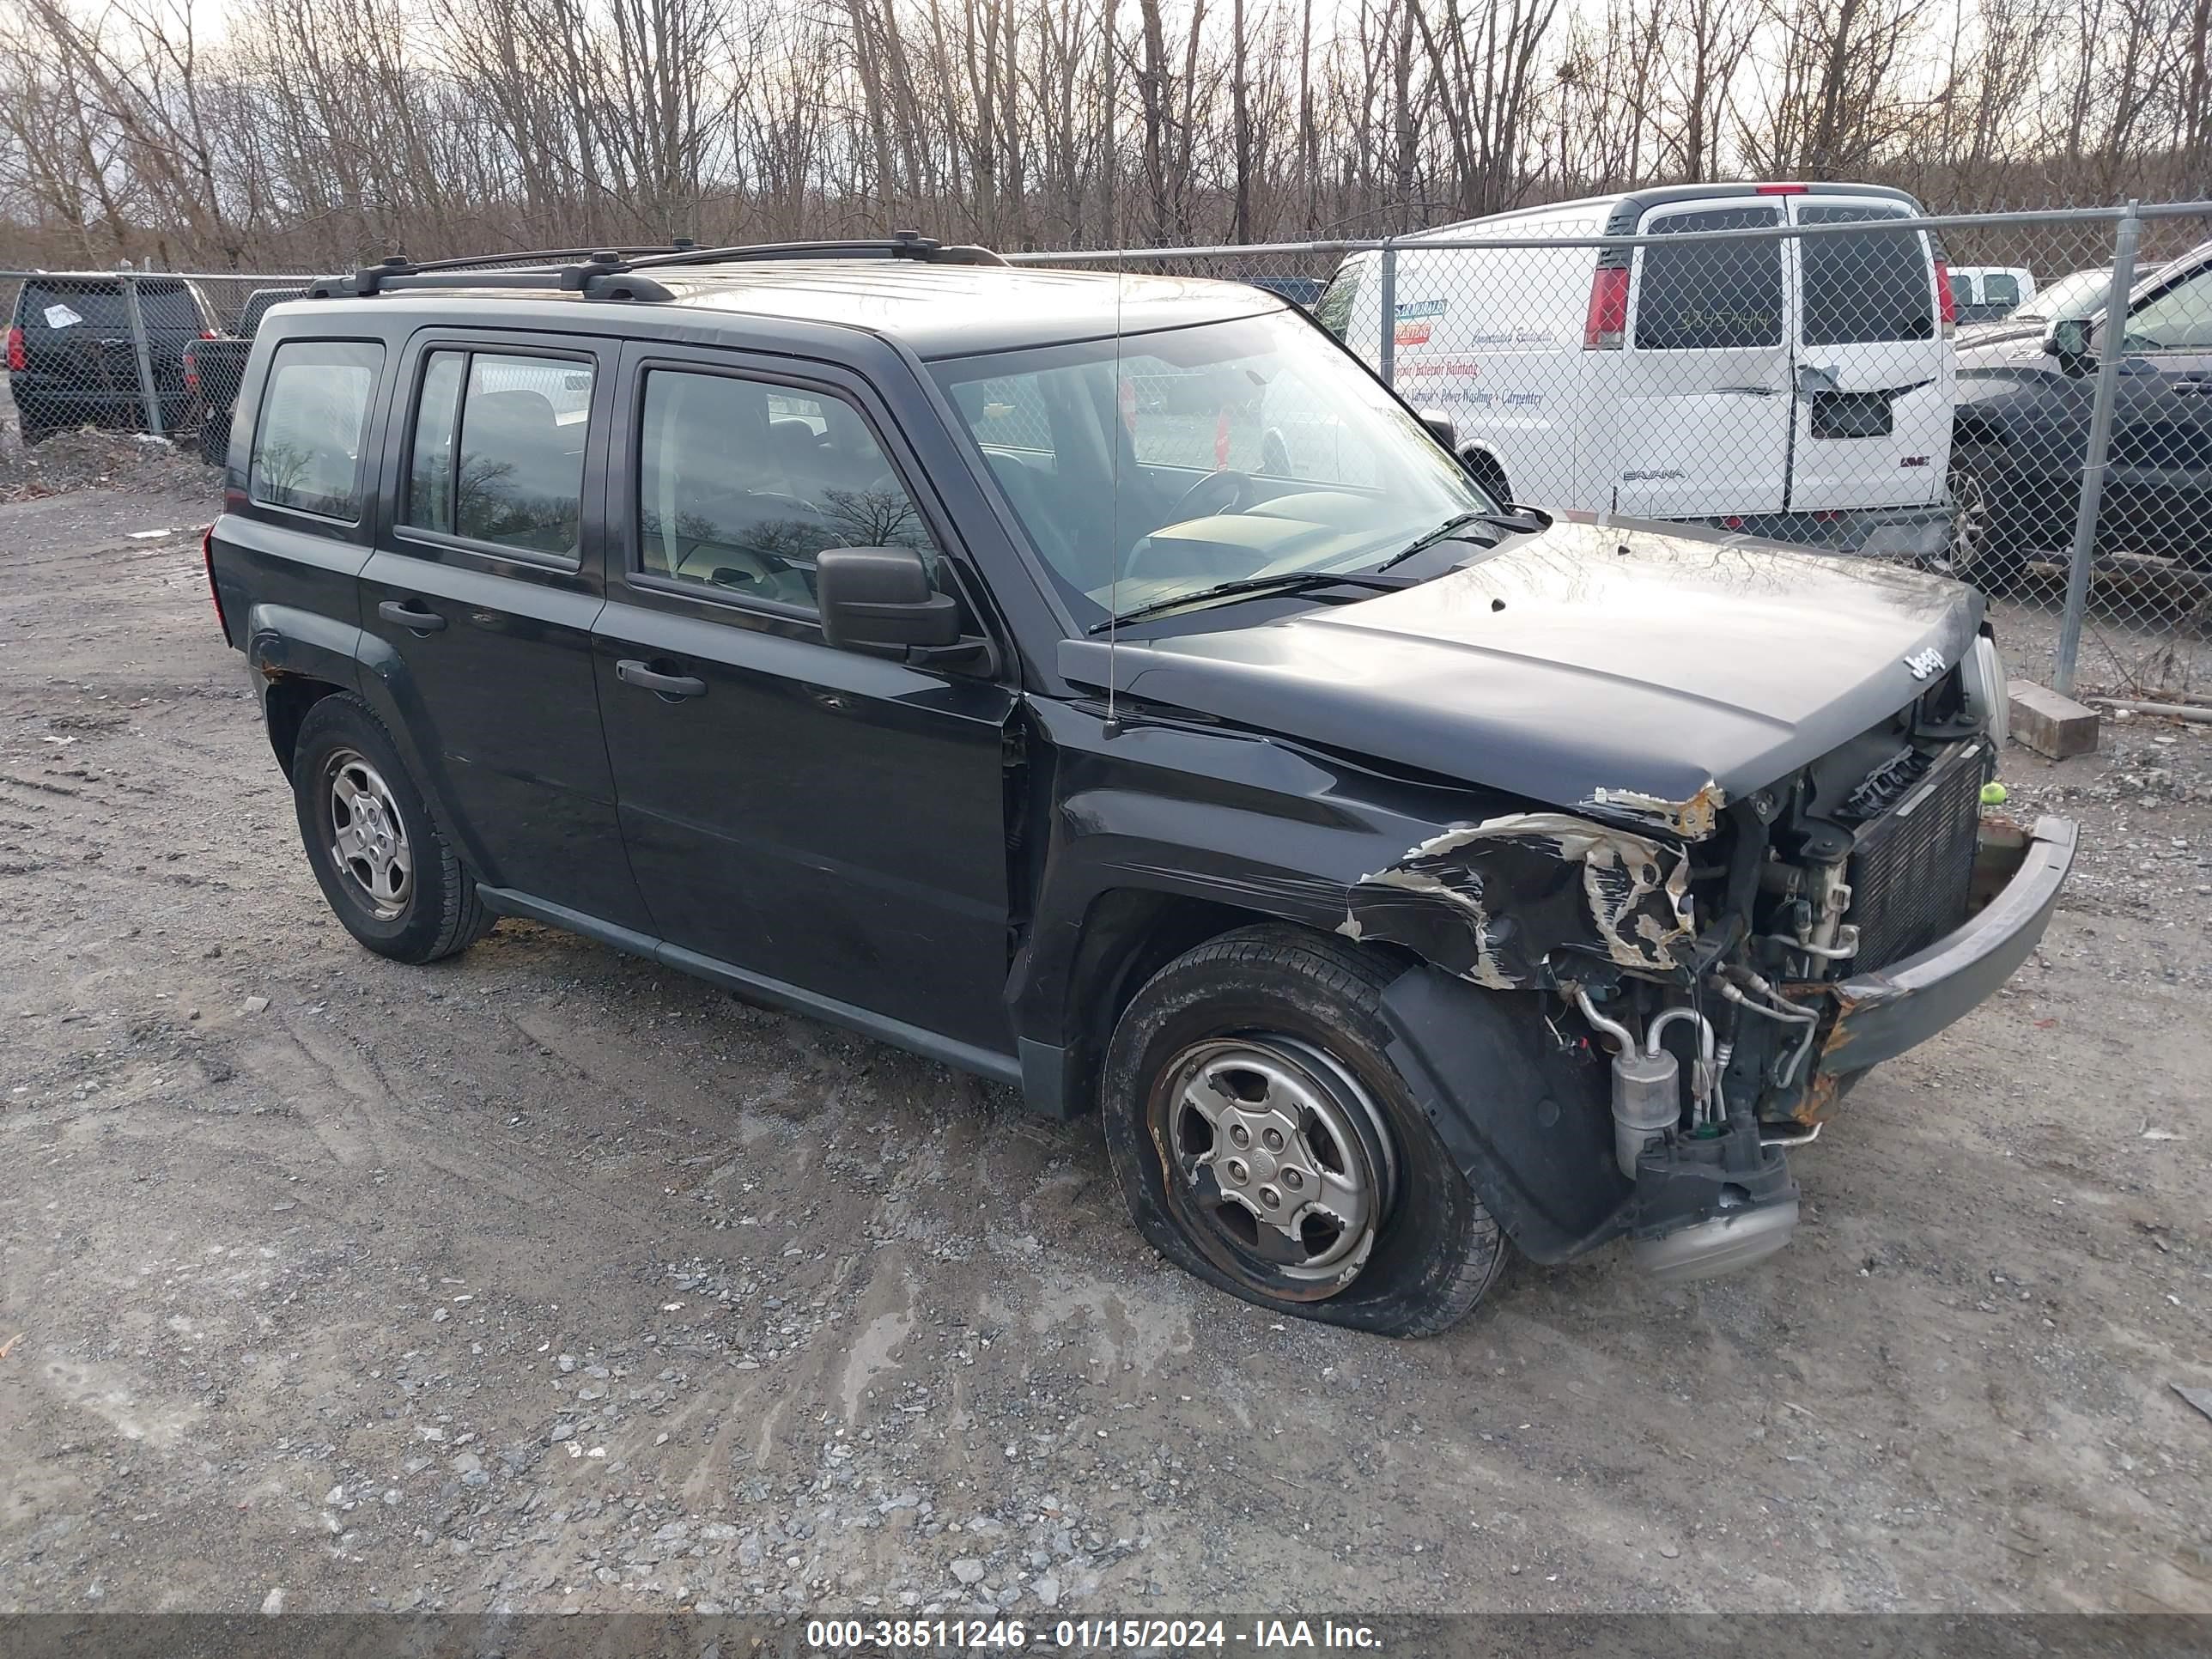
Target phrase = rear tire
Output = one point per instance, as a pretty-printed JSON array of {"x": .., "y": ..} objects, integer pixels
[
  {"x": 1987, "y": 548},
  {"x": 1264, "y": 1141},
  {"x": 215, "y": 437},
  {"x": 385, "y": 866}
]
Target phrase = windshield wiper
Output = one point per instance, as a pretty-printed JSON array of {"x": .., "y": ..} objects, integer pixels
[
  {"x": 1289, "y": 581},
  {"x": 1454, "y": 529}
]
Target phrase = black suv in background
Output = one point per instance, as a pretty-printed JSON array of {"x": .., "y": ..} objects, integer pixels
[
  {"x": 1108, "y": 686},
  {"x": 213, "y": 367},
  {"x": 71, "y": 361},
  {"x": 2026, "y": 394}
]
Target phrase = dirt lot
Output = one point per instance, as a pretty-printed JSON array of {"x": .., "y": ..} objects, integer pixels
[{"x": 545, "y": 1279}]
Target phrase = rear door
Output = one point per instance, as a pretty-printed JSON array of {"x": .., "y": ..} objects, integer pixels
[
  {"x": 1698, "y": 414},
  {"x": 1873, "y": 388},
  {"x": 479, "y": 599}
]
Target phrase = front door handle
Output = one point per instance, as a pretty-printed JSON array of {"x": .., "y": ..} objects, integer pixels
[
  {"x": 1746, "y": 390},
  {"x": 630, "y": 671},
  {"x": 402, "y": 613}
]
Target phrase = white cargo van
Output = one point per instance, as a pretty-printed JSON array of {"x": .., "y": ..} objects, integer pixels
[
  {"x": 1793, "y": 387},
  {"x": 1986, "y": 294}
]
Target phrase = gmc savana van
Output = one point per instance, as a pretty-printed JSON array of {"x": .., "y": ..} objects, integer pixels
[{"x": 1797, "y": 387}]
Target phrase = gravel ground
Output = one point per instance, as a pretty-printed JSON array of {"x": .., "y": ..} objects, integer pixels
[{"x": 545, "y": 1279}]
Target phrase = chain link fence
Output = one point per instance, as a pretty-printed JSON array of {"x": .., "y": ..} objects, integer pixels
[{"x": 2022, "y": 399}]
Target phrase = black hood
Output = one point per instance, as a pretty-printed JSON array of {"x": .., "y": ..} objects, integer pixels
[{"x": 1634, "y": 659}]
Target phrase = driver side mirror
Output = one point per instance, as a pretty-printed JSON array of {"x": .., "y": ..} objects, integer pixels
[
  {"x": 879, "y": 601},
  {"x": 1441, "y": 429},
  {"x": 2068, "y": 339}
]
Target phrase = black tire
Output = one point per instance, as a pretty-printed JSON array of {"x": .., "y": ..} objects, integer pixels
[
  {"x": 34, "y": 423},
  {"x": 1489, "y": 477},
  {"x": 342, "y": 749},
  {"x": 1311, "y": 1005},
  {"x": 215, "y": 437},
  {"x": 1987, "y": 547}
]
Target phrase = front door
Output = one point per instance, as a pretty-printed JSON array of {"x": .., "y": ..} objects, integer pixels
[
  {"x": 482, "y": 589},
  {"x": 829, "y": 823},
  {"x": 1701, "y": 393},
  {"x": 1874, "y": 392}
]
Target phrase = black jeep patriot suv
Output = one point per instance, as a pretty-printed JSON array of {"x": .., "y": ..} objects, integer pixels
[{"x": 1106, "y": 686}]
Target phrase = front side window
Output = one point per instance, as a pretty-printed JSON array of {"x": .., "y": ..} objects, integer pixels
[
  {"x": 498, "y": 454},
  {"x": 740, "y": 482},
  {"x": 2179, "y": 319},
  {"x": 1169, "y": 462},
  {"x": 1862, "y": 286},
  {"x": 1711, "y": 295},
  {"x": 314, "y": 414}
]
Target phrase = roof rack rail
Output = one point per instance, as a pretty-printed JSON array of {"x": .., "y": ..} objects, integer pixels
[
  {"x": 371, "y": 279},
  {"x": 606, "y": 273}
]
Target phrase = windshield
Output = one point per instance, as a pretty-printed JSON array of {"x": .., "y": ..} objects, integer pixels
[
  {"x": 2069, "y": 297},
  {"x": 1194, "y": 456}
]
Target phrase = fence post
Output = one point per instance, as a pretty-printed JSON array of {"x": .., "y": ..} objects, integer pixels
[
  {"x": 2113, "y": 335},
  {"x": 1388, "y": 362},
  {"x": 147, "y": 389}
]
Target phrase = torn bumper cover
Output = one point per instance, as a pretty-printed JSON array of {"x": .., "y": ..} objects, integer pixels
[{"x": 1879, "y": 1015}]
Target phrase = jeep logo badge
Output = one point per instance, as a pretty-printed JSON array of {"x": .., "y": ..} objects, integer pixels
[{"x": 1921, "y": 664}]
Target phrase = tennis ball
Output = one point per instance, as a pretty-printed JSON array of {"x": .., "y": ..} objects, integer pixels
[{"x": 1993, "y": 795}]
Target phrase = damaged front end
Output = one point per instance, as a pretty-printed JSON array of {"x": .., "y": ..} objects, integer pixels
[{"x": 1740, "y": 963}]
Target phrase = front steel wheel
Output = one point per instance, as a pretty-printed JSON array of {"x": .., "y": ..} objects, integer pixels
[
  {"x": 1265, "y": 1141},
  {"x": 1278, "y": 1154}
]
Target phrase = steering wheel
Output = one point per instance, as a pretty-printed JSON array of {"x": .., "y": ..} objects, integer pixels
[{"x": 1238, "y": 486}]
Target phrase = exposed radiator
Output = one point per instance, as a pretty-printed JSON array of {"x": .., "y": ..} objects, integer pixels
[{"x": 1912, "y": 868}]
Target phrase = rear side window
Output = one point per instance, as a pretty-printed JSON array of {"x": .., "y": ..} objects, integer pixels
[
  {"x": 1867, "y": 286},
  {"x": 2001, "y": 290},
  {"x": 1710, "y": 296},
  {"x": 314, "y": 414},
  {"x": 498, "y": 453},
  {"x": 741, "y": 482}
]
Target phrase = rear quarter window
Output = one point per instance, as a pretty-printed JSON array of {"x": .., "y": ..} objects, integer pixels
[
  {"x": 308, "y": 443},
  {"x": 1868, "y": 286}
]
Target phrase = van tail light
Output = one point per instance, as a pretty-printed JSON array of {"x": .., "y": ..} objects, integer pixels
[
  {"x": 1605, "y": 327},
  {"x": 215, "y": 594},
  {"x": 192, "y": 370},
  {"x": 1947, "y": 303},
  {"x": 16, "y": 361},
  {"x": 1779, "y": 190}
]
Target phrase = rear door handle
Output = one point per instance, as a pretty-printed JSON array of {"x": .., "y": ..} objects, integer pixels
[
  {"x": 402, "y": 613},
  {"x": 630, "y": 671}
]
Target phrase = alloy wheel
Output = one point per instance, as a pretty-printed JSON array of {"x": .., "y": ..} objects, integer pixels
[{"x": 368, "y": 839}]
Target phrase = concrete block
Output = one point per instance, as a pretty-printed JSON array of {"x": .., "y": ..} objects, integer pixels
[{"x": 2050, "y": 724}]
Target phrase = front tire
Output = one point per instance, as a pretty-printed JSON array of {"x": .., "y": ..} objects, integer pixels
[
  {"x": 1264, "y": 1141},
  {"x": 1987, "y": 549},
  {"x": 385, "y": 866}
]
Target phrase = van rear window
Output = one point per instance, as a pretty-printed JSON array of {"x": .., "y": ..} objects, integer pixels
[
  {"x": 1864, "y": 287},
  {"x": 1711, "y": 295}
]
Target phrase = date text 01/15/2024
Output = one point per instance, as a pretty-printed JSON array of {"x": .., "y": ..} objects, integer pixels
[{"x": 1080, "y": 1635}]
